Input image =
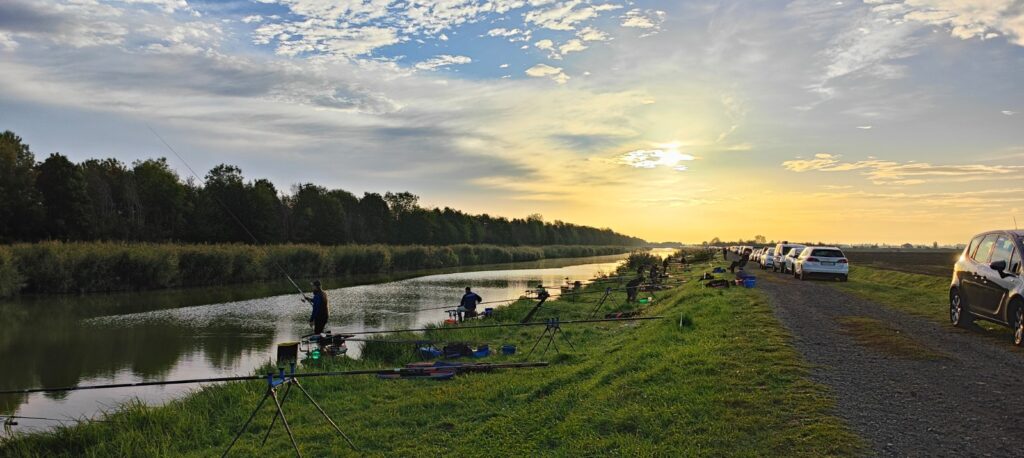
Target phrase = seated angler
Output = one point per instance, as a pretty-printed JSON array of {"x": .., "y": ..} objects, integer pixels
[{"x": 467, "y": 307}]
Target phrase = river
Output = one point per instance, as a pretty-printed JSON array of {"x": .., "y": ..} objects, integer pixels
[{"x": 51, "y": 341}]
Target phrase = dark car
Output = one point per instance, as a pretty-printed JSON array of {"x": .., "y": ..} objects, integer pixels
[{"x": 988, "y": 282}]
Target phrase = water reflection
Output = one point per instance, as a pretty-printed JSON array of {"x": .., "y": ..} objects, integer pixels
[{"x": 53, "y": 341}]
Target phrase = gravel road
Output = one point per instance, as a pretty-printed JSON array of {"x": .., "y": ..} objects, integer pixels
[{"x": 970, "y": 403}]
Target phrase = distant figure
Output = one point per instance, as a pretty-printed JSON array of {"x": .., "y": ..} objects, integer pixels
[
  {"x": 542, "y": 294},
  {"x": 742, "y": 262},
  {"x": 633, "y": 288},
  {"x": 654, "y": 274},
  {"x": 318, "y": 319},
  {"x": 725, "y": 254},
  {"x": 664, "y": 263},
  {"x": 467, "y": 307}
]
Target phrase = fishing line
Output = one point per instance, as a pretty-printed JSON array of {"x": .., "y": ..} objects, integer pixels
[
  {"x": 453, "y": 307},
  {"x": 504, "y": 325},
  {"x": 229, "y": 212},
  {"x": 262, "y": 377}
]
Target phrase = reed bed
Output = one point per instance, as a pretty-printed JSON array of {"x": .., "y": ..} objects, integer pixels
[{"x": 57, "y": 267}]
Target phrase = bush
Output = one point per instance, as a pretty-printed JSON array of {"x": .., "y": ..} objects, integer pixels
[{"x": 57, "y": 267}]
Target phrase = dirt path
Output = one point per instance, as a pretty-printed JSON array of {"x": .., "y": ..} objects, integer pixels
[{"x": 969, "y": 402}]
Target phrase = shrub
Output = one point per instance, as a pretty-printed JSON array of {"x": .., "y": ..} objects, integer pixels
[{"x": 10, "y": 279}]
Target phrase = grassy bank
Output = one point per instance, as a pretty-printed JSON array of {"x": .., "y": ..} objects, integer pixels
[
  {"x": 717, "y": 377},
  {"x": 922, "y": 295},
  {"x": 57, "y": 267}
]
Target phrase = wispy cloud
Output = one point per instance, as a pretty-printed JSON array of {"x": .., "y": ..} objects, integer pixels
[
  {"x": 442, "y": 60},
  {"x": 653, "y": 158},
  {"x": 901, "y": 173}
]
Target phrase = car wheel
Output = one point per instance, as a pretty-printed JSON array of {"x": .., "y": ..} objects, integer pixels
[
  {"x": 1018, "y": 324},
  {"x": 844, "y": 277},
  {"x": 794, "y": 273},
  {"x": 802, "y": 276},
  {"x": 958, "y": 314}
]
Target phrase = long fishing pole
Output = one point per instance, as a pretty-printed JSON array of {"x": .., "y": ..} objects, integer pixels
[
  {"x": 503, "y": 325},
  {"x": 229, "y": 212},
  {"x": 482, "y": 366},
  {"x": 452, "y": 307}
]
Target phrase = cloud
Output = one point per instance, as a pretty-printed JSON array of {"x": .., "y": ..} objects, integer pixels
[
  {"x": 545, "y": 44},
  {"x": 1008, "y": 112},
  {"x": 573, "y": 45},
  {"x": 901, "y": 173},
  {"x": 562, "y": 16},
  {"x": 652, "y": 158},
  {"x": 547, "y": 71},
  {"x": 643, "y": 19},
  {"x": 592, "y": 34},
  {"x": 442, "y": 60},
  {"x": 965, "y": 19},
  {"x": 253, "y": 18},
  {"x": 864, "y": 127}
]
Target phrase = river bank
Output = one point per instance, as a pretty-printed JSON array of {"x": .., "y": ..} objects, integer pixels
[
  {"x": 56, "y": 267},
  {"x": 695, "y": 383}
]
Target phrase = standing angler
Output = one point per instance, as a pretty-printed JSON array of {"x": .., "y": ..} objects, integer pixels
[
  {"x": 318, "y": 319},
  {"x": 467, "y": 307}
]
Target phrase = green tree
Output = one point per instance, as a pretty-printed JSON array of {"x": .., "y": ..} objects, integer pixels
[
  {"x": 65, "y": 199},
  {"x": 316, "y": 216},
  {"x": 20, "y": 204},
  {"x": 163, "y": 200}
]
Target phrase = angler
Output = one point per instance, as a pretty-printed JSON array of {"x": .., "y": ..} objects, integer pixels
[
  {"x": 467, "y": 306},
  {"x": 318, "y": 319}
]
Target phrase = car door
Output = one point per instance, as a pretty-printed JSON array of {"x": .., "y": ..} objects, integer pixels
[
  {"x": 971, "y": 281},
  {"x": 995, "y": 286}
]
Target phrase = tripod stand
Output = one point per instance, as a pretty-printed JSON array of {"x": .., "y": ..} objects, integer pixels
[
  {"x": 607, "y": 292},
  {"x": 273, "y": 384},
  {"x": 552, "y": 328}
]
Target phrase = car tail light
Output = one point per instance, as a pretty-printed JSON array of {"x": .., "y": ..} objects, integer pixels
[
  {"x": 842, "y": 261},
  {"x": 812, "y": 259}
]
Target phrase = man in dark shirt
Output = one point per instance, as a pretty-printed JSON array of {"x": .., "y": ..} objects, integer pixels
[
  {"x": 467, "y": 307},
  {"x": 742, "y": 261},
  {"x": 633, "y": 288},
  {"x": 318, "y": 319}
]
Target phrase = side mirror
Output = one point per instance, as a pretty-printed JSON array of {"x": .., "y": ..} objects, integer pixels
[{"x": 998, "y": 266}]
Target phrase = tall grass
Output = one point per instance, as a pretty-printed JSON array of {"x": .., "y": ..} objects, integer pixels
[
  {"x": 58, "y": 267},
  {"x": 10, "y": 280}
]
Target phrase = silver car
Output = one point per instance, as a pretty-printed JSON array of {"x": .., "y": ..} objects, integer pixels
[{"x": 988, "y": 282}]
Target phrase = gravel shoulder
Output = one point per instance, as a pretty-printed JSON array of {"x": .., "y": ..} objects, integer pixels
[{"x": 969, "y": 402}]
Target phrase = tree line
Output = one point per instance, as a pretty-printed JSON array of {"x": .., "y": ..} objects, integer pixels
[{"x": 105, "y": 199}]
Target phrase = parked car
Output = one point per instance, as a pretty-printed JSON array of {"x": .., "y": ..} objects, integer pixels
[
  {"x": 823, "y": 261},
  {"x": 988, "y": 282},
  {"x": 781, "y": 250},
  {"x": 767, "y": 259},
  {"x": 789, "y": 260}
]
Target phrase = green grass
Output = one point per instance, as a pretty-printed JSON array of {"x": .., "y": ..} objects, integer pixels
[
  {"x": 922, "y": 295},
  {"x": 725, "y": 383}
]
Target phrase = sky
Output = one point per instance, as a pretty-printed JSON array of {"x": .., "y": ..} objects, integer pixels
[{"x": 834, "y": 121}]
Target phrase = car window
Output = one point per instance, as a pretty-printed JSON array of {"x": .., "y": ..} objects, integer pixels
[
  {"x": 985, "y": 249},
  {"x": 1014, "y": 266},
  {"x": 974, "y": 246},
  {"x": 1002, "y": 250},
  {"x": 827, "y": 253}
]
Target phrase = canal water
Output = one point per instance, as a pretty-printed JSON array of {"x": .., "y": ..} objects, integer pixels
[{"x": 51, "y": 341}]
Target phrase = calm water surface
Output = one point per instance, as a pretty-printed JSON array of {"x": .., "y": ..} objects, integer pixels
[{"x": 50, "y": 341}]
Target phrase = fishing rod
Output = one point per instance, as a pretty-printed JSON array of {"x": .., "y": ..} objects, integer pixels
[
  {"x": 224, "y": 206},
  {"x": 452, "y": 307},
  {"x": 481, "y": 366},
  {"x": 503, "y": 325}
]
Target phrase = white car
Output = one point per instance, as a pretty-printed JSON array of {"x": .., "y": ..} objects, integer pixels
[
  {"x": 781, "y": 250},
  {"x": 788, "y": 262},
  {"x": 767, "y": 258},
  {"x": 824, "y": 261}
]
